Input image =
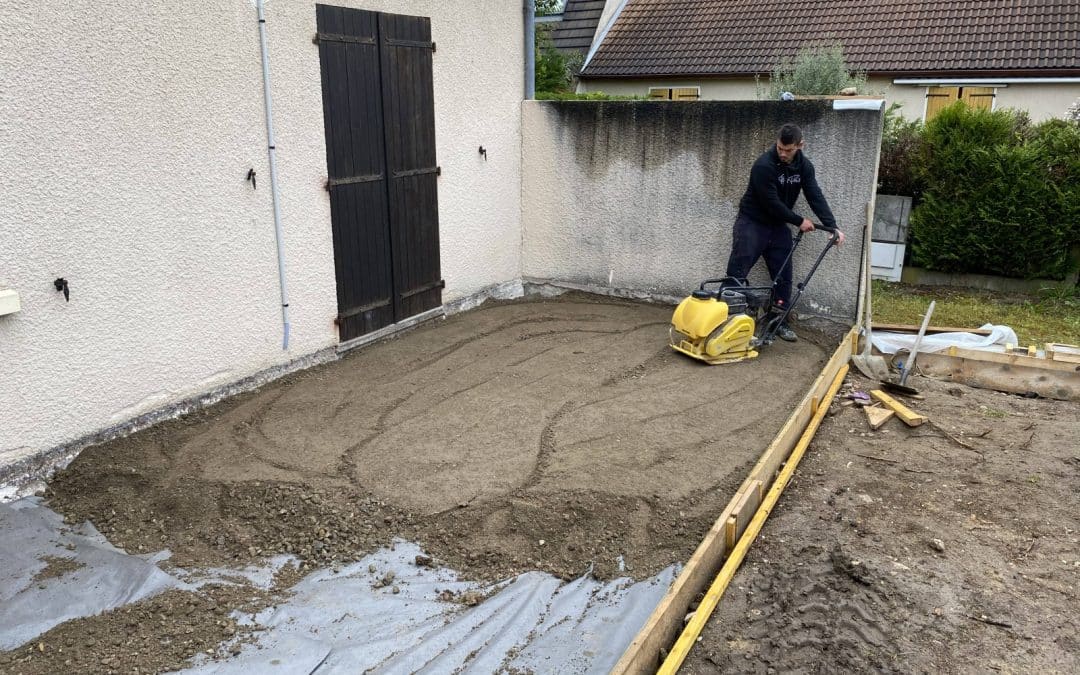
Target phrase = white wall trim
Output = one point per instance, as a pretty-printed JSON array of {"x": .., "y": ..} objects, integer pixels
[{"x": 983, "y": 82}]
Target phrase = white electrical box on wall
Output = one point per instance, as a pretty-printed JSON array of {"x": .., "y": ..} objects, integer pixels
[{"x": 9, "y": 301}]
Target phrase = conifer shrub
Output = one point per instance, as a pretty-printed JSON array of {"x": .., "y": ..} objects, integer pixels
[{"x": 1000, "y": 194}]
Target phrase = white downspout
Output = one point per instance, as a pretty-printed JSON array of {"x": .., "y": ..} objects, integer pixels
[
  {"x": 273, "y": 176},
  {"x": 530, "y": 48}
]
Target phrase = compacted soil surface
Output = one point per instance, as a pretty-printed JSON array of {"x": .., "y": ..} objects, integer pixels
[
  {"x": 561, "y": 435},
  {"x": 950, "y": 547}
]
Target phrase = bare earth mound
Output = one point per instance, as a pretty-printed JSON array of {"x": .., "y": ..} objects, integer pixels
[
  {"x": 847, "y": 575},
  {"x": 567, "y": 422}
]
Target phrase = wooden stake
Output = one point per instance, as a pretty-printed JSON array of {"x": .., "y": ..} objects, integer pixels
[
  {"x": 907, "y": 415},
  {"x": 877, "y": 416}
]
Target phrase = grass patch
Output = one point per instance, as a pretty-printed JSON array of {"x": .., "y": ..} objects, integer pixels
[{"x": 1053, "y": 316}]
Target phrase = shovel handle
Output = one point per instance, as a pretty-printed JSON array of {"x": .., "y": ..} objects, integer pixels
[{"x": 910, "y": 365}]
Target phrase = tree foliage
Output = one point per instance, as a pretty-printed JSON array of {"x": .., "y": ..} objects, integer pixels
[
  {"x": 555, "y": 70},
  {"x": 901, "y": 144},
  {"x": 1002, "y": 196},
  {"x": 816, "y": 71},
  {"x": 548, "y": 7},
  {"x": 1072, "y": 113}
]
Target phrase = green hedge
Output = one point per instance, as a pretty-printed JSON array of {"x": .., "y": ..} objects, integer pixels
[
  {"x": 901, "y": 146},
  {"x": 1000, "y": 196}
]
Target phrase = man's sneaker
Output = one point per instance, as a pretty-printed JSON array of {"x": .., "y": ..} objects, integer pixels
[{"x": 785, "y": 333}]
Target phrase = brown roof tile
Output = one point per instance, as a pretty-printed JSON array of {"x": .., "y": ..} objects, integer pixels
[
  {"x": 744, "y": 37},
  {"x": 578, "y": 25}
]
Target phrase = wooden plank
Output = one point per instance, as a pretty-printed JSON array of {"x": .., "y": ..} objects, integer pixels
[
  {"x": 1025, "y": 377},
  {"x": 1012, "y": 359},
  {"x": 748, "y": 502},
  {"x": 716, "y": 590},
  {"x": 1055, "y": 351},
  {"x": 907, "y": 328},
  {"x": 664, "y": 624},
  {"x": 907, "y": 415},
  {"x": 1023, "y": 351},
  {"x": 877, "y": 416},
  {"x": 731, "y": 532}
]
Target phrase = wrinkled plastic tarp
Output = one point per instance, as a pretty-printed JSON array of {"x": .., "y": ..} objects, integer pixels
[
  {"x": 335, "y": 621},
  {"x": 888, "y": 342},
  {"x": 339, "y": 623},
  {"x": 106, "y": 577}
]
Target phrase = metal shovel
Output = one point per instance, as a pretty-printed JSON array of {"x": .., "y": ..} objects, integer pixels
[
  {"x": 870, "y": 365},
  {"x": 901, "y": 387}
]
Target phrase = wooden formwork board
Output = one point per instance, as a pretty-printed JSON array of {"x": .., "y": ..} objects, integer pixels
[
  {"x": 665, "y": 623},
  {"x": 1012, "y": 373},
  {"x": 1056, "y": 351}
]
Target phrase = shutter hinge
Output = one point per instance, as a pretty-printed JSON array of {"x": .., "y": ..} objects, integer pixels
[
  {"x": 433, "y": 46},
  {"x": 438, "y": 171}
]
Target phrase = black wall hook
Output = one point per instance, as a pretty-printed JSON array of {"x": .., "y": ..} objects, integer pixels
[
  {"x": 251, "y": 177},
  {"x": 483, "y": 152},
  {"x": 61, "y": 284}
]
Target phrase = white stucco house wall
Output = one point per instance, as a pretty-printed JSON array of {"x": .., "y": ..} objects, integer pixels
[
  {"x": 127, "y": 133},
  {"x": 141, "y": 271}
]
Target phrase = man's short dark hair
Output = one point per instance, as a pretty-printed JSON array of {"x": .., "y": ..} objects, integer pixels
[{"x": 790, "y": 134}]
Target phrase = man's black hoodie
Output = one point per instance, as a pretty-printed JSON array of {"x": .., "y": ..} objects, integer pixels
[{"x": 774, "y": 187}]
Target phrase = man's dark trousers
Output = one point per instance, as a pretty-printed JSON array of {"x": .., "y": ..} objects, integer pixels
[{"x": 751, "y": 240}]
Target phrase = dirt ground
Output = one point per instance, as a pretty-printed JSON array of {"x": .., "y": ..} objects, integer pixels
[
  {"x": 561, "y": 435},
  {"x": 946, "y": 548}
]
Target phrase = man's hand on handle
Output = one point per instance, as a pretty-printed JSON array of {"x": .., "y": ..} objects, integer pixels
[{"x": 807, "y": 226}]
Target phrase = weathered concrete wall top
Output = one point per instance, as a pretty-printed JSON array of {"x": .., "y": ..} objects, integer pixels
[{"x": 641, "y": 195}]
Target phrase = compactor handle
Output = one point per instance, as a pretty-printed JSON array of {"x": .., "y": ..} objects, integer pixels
[{"x": 721, "y": 280}]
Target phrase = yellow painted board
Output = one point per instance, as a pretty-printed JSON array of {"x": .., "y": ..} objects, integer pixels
[
  {"x": 712, "y": 598},
  {"x": 907, "y": 415},
  {"x": 664, "y": 624}
]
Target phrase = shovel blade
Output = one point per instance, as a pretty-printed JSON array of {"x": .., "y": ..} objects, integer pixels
[{"x": 871, "y": 366}]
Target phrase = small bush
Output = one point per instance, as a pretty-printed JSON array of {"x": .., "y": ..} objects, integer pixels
[
  {"x": 1000, "y": 194},
  {"x": 555, "y": 71},
  {"x": 901, "y": 145},
  {"x": 585, "y": 96},
  {"x": 816, "y": 71},
  {"x": 1072, "y": 113}
]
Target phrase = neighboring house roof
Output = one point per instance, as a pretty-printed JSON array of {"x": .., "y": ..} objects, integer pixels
[
  {"x": 576, "y": 30},
  {"x": 933, "y": 37}
]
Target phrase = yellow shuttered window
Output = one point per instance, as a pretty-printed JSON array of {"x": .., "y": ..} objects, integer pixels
[
  {"x": 675, "y": 93},
  {"x": 978, "y": 97},
  {"x": 939, "y": 98}
]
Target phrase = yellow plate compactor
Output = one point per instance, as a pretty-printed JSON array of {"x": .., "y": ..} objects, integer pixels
[{"x": 731, "y": 322}]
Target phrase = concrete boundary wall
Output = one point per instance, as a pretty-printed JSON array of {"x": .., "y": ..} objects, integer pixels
[{"x": 641, "y": 195}]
